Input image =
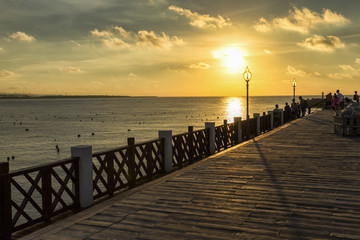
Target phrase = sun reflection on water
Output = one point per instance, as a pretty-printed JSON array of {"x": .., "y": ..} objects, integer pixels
[{"x": 234, "y": 108}]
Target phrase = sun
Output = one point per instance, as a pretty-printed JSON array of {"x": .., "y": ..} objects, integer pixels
[{"x": 232, "y": 58}]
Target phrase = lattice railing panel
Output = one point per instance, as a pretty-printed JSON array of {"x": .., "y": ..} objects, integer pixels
[
  {"x": 201, "y": 144},
  {"x": 39, "y": 193},
  {"x": 181, "y": 150},
  {"x": 120, "y": 168}
]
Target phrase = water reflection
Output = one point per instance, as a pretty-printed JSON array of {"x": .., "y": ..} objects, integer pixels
[{"x": 234, "y": 108}]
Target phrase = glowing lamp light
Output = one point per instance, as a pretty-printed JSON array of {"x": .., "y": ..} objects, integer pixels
[
  {"x": 247, "y": 75},
  {"x": 294, "y": 83}
]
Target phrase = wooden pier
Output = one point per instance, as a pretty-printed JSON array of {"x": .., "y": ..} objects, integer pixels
[{"x": 300, "y": 181}]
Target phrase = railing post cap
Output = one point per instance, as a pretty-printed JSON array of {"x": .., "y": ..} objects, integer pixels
[
  {"x": 210, "y": 124},
  {"x": 165, "y": 134},
  {"x": 165, "y": 131},
  {"x": 81, "y": 146}
]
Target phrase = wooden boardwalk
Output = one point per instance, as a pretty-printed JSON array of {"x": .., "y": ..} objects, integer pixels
[{"x": 298, "y": 182}]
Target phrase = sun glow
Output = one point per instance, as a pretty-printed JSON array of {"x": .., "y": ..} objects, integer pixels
[
  {"x": 232, "y": 58},
  {"x": 234, "y": 108}
]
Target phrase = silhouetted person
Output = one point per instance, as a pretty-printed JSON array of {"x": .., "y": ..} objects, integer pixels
[
  {"x": 356, "y": 97},
  {"x": 328, "y": 100},
  {"x": 340, "y": 99},
  {"x": 303, "y": 106},
  {"x": 287, "y": 112},
  {"x": 336, "y": 102},
  {"x": 294, "y": 109},
  {"x": 277, "y": 116}
]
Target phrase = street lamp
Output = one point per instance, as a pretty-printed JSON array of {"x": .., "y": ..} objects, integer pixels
[
  {"x": 294, "y": 85},
  {"x": 247, "y": 76}
]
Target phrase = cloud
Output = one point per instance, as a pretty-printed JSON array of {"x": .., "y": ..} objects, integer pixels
[
  {"x": 339, "y": 75},
  {"x": 347, "y": 68},
  {"x": 323, "y": 44},
  {"x": 71, "y": 69},
  {"x": 1, "y": 49},
  {"x": 6, "y": 74},
  {"x": 122, "y": 31},
  {"x": 267, "y": 51},
  {"x": 75, "y": 43},
  {"x": 158, "y": 41},
  {"x": 201, "y": 21},
  {"x": 118, "y": 37},
  {"x": 115, "y": 42},
  {"x": 262, "y": 25},
  {"x": 98, "y": 33},
  {"x": 132, "y": 75},
  {"x": 297, "y": 72},
  {"x": 21, "y": 36},
  {"x": 200, "y": 65},
  {"x": 302, "y": 20},
  {"x": 357, "y": 60}
]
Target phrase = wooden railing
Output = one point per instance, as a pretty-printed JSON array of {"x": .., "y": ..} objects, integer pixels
[
  {"x": 265, "y": 125},
  {"x": 127, "y": 166},
  {"x": 36, "y": 194},
  {"x": 189, "y": 147},
  {"x": 39, "y": 193},
  {"x": 225, "y": 136}
]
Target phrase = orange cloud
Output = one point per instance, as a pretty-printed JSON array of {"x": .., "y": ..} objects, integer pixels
[
  {"x": 321, "y": 43},
  {"x": 201, "y": 21}
]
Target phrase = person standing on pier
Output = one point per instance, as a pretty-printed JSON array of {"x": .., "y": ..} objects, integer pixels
[
  {"x": 328, "y": 100},
  {"x": 287, "y": 112},
  {"x": 340, "y": 99},
  {"x": 303, "y": 106},
  {"x": 336, "y": 102},
  {"x": 356, "y": 97}
]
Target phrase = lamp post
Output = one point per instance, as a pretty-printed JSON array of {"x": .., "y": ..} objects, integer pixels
[
  {"x": 247, "y": 76},
  {"x": 294, "y": 85}
]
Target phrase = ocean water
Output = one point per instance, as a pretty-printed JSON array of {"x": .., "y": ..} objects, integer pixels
[{"x": 30, "y": 129}]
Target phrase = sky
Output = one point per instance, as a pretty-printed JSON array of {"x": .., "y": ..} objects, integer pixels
[{"x": 179, "y": 48}]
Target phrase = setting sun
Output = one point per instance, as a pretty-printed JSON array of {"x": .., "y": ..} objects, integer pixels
[{"x": 232, "y": 59}]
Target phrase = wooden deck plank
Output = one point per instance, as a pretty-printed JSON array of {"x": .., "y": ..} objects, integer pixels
[{"x": 298, "y": 182}]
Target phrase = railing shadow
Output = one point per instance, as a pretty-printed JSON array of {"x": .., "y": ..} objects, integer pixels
[{"x": 280, "y": 192}]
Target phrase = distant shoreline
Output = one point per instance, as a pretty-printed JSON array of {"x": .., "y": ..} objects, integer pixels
[{"x": 62, "y": 96}]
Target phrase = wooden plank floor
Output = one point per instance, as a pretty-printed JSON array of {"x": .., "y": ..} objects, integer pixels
[{"x": 298, "y": 182}]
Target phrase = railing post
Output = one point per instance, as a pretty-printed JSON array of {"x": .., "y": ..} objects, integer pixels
[
  {"x": 309, "y": 110},
  {"x": 109, "y": 162},
  {"x": 131, "y": 162},
  {"x": 191, "y": 143},
  {"x": 5, "y": 202},
  {"x": 226, "y": 135},
  {"x": 149, "y": 162},
  {"x": 168, "y": 151},
  {"x": 86, "y": 189},
  {"x": 237, "y": 121},
  {"x": 281, "y": 116},
  {"x": 211, "y": 127},
  {"x": 46, "y": 192},
  {"x": 257, "y": 116},
  {"x": 271, "y": 113}
]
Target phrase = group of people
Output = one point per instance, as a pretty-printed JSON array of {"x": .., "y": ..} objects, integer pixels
[
  {"x": 293, "y": 111},
  {"x": 337, "y": 101}
]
